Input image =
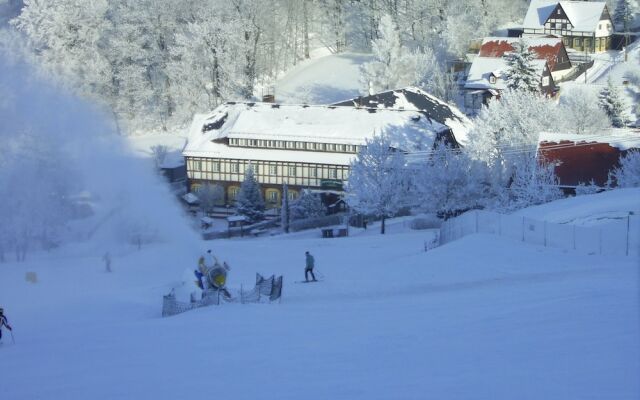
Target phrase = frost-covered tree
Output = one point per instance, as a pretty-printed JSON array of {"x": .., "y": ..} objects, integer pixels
[
  {"x": 628, "y": 173},
  {"x": 591, "y": 188},
  {"x": 249, "y": 201},
  {"x": 210, "y": 196},
  {"x": 378, "y": 180},
  {"x": 394, "y": 65},
  {"x": 534, "y": 182},
  {"x": 307, "y": 205},
  {"x": 623, "y": 15},
  {"x": 613, "y": 104},
  {"x": 505, "y": 136},
  {"x": 580, "y": 111},
  {"x": 446, "y": 182},
  {"x": 521, "y": 72},
  {"x": 285, "y": 214}
]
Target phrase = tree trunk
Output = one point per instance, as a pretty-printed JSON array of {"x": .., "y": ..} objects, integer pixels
[{"x": 382, "y": 226}]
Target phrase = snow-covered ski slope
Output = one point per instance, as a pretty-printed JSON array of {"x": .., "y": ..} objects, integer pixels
[{"x": 484, "y": 317}]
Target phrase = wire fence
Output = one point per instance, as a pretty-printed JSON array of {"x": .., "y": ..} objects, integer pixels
[
  {"x": 269, "y": 289},
  {"x": 621, "y": 236}
]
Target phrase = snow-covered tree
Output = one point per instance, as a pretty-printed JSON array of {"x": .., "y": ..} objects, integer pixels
[
  {"x": 378, "y": 180},
  {"x": 159, "y": 153},
  {"x": 623, "y": 15},
  {"x": 591, "y": 188},
  {"x": 628, "y": 173},
  {"x": 613, "y": 104},
  {"x": 521, "y": 72},
  {"x": 285, "y": 214},
  {"x": 580, "y": 111},
  {"x": 505, "y": 136},
  {"x": 446, "y": 182},
  {"x": 534, "y": 182},
  {"x": 249, "y": 201},
  {"x": 307, "y": 205},
  {"x": 394, "y": 65},
  {"x": 210, "y": 196}
]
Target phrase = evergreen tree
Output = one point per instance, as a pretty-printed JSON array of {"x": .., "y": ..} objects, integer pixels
[
  {"x": 623, "y": 15},
  {"x": 284, "y": 210},
  {"x": 308, "y": 205},
  {"x": 249, "y": 201},
  {"x": 521, "y": 73},
  {"x": 613, "y": 104}
]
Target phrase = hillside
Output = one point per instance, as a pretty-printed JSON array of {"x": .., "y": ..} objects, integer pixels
[{"x": 388, "y": 321}]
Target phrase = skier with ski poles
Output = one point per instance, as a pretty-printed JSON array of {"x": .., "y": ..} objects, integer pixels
[
  {"x": 310, "y": 261},
  {"x": 3, "y": 322}
]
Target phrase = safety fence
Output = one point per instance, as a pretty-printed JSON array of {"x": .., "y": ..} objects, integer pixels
[
  {"x": 621, "y": 236},
  {"x": 266, "y": 288}
]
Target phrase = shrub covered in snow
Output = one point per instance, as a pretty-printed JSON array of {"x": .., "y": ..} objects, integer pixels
[{"x": 628, "y": 174}]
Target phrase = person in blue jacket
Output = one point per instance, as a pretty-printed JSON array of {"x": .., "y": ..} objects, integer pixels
[
  {"x": 3, "y": 322},
  {"x": 309, "y": 266}
]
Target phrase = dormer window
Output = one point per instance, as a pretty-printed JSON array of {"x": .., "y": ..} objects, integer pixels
[
  {"x": 559, "y": 11},
  {"x": 492, "y": 78}
]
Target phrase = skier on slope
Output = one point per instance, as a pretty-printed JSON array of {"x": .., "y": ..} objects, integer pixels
[
  {"x": 310, "y": 261},
  {"x": 3, "y": 322}
]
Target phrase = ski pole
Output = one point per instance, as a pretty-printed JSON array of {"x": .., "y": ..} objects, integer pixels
[{"x": 12, "y": 338}]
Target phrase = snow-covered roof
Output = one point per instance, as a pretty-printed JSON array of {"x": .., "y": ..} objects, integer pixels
[
  {"x": 483, "y": 67},
  {"x": 622, "y": 139},
  {"x": 320, "y": 124},
  {"x": 584, "y": 16},
  {"x": 413, "y": 98},
  {"x": 546, "y": 48}
]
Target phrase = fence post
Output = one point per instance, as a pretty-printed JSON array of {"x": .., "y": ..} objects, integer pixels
[{"x": 628, "y": 226}]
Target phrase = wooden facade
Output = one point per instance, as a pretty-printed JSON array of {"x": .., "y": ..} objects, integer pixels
[
  {"x": 229, "y": 173},
  {"x": 595, "y": 39}
]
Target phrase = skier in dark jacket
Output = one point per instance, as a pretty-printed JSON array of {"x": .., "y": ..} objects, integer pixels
[
  {"x": 309, "y": 267},
  {"x": 3, "y": 322}
]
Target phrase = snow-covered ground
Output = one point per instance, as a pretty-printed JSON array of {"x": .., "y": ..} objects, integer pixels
[
  {"x": 323, "y": 80},
  {"x": 483, "y": 317}
]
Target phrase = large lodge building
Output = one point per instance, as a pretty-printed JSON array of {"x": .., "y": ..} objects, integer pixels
[{"x": 306, "y": 147}]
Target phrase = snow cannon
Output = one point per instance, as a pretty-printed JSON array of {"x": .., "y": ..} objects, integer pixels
[{"x": 217, "y": 276}]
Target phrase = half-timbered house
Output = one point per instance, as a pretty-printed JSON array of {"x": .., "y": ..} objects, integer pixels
[
  {"x": 303, "y": 146},
  {"x": 585, "y": 26}
]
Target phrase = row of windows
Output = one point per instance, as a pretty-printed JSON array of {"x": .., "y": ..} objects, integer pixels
[
  {"x": 270, "y": 194},
  {"x": 294, "y": 145},
  {"x": 271, "y": 169}
]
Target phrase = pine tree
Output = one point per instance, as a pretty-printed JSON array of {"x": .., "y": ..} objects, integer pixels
[
  {"x": 284, "y": 210},
  {"x": 521, "y": 73},
  {"x": 249, "y": 201},
  {"x": 623, "y": 15},
  {"x": 613, "y": 104}
]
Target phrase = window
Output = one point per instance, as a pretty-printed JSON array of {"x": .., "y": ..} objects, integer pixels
[
  {"x": 545, "y": 81},
  {"x": 559, "y": 11},
  {"x": 333, "y": 173},
  {"x": 273, "y": 170},
  {"x": 292, "y": 195},
  {"x": 290, "y": 145},
  {"x": 292, "y": 170},
  {"x": 235, "y": 168},
  {"x": 299, "y": 145},
  {"x": 233, "y": 192},
  {"x": 313, "y": 172},
  {"x": 553, "y": 25},
  {"x": 215, "y": 166},
  {"x": 197, "y": 165},
  {"x": 272, "y": 195},
  {"x": 599, "y": 26},
  {"x": 564, "y": 26},
  {"x": 492, "y": 79}
]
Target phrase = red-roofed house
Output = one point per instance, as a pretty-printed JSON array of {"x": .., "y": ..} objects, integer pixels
[
  {"x": 550, "y": 49},
  {"x": 581, "y": 159}
]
